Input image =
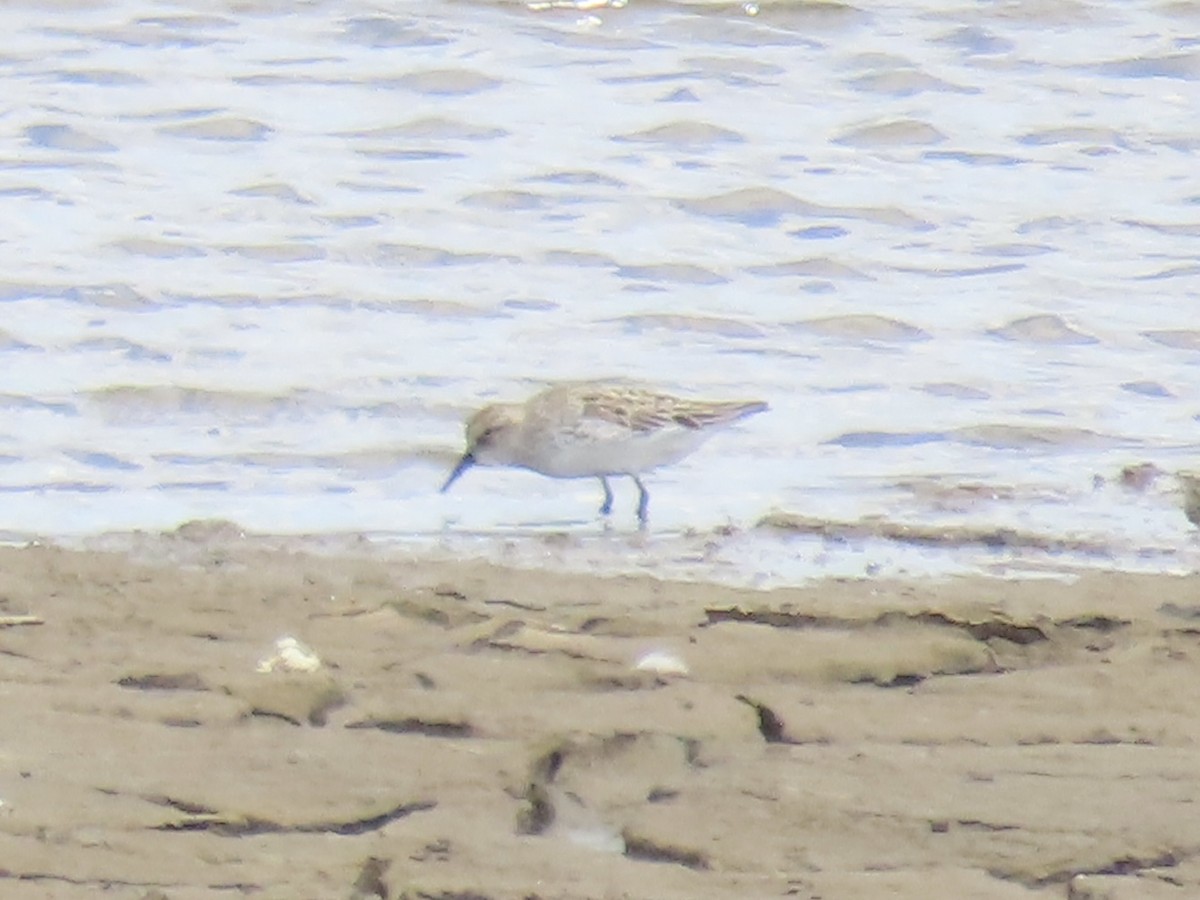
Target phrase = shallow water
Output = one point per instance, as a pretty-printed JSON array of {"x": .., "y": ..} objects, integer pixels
[{"x": 260, "y": 260}]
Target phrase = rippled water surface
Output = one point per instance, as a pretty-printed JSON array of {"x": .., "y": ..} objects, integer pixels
[{"x": 260, "y": 259}]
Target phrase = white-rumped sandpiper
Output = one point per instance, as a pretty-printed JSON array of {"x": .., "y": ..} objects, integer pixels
[{"x": 594, "y": 430}]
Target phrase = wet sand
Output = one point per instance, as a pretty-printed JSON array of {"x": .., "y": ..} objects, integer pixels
[{"x": 476, "y": 731}]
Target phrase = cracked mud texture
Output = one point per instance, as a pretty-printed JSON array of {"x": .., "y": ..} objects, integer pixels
[{"x": 482, "y": 732}]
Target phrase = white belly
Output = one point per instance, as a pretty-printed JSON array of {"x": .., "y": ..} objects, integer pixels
[{"x": 618, "y": 453}]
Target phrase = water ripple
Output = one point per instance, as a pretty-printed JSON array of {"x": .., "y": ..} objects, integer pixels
[{"x": 262, "y": 259}]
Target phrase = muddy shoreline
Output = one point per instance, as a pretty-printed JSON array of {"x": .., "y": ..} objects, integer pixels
[{"x": 473, "y": 730}]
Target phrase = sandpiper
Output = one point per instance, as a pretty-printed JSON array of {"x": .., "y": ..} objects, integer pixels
[{"x": 594, "y": 430}]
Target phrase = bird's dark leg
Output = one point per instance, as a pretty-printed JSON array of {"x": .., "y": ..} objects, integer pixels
[
  {"x": 643, "y": 500},
  {"x": 606, "y": 506}
]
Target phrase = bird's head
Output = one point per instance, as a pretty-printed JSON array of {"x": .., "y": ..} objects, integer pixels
[{"x": 492, "y": 438}]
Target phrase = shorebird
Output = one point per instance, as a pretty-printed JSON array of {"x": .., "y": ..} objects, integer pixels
[{"x": 595, "y": 430}]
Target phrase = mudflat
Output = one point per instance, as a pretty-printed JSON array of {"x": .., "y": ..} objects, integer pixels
[{"x": 443, "y": 729}]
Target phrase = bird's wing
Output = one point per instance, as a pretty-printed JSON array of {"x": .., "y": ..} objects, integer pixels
[{"x": 643, "y": 411}]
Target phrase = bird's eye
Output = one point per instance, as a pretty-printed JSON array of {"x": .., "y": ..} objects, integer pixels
[{"x": 485, "y": 436}]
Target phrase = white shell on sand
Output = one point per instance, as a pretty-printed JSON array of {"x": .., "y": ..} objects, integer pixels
[{"x": 290, "y": 656}]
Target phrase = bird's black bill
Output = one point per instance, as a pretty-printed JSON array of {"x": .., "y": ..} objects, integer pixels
[{"x": 463, "y": 464}]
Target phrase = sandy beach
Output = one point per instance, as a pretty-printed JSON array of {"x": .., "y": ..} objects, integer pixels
[{"x": 475, "y": 731}]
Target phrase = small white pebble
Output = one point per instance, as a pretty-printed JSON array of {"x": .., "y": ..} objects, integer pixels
[
  {"x": 661, "y": 662},
  {"x": 600, "y": 838}
]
